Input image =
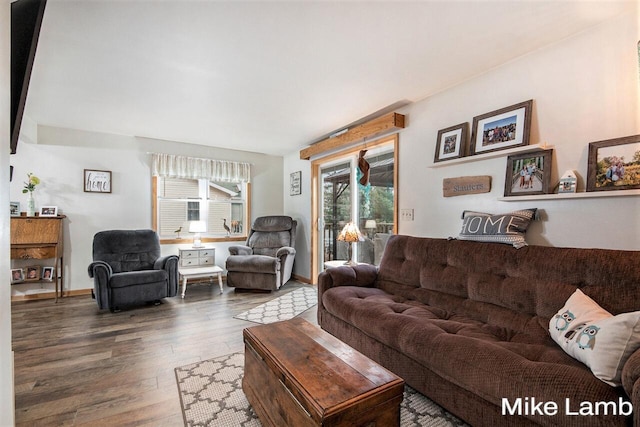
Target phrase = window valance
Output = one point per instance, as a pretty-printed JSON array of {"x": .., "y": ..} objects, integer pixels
[{"x": 172, "y": 166}]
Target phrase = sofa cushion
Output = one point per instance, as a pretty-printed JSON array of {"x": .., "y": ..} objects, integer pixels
[
  {"x": 467, "y": 352},
  {"x": 253, "y": 264},
  {"x": 509, "y": 228},
  {"x": 595, "y": 337},
  {"x": 137, "y": 278}
]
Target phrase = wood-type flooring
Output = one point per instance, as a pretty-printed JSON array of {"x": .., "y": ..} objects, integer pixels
[{"x": 78, "y": 365}]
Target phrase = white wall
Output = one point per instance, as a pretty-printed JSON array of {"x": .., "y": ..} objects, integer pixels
[
  {"x": 61, "y": 155},
  {"x": 299, "y": 208},
  {"x": 6, "y": 353},
  {"x": 585, "y": 88}
]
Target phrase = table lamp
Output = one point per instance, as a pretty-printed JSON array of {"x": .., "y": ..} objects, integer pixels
[
  {"x": 350, "y": 234},
  {"x": 370, "y": 225},
  {"x": 197, "y": 227}
]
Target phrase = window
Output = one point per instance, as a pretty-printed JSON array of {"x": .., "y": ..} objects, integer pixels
[{"x": 222, "y": 205}]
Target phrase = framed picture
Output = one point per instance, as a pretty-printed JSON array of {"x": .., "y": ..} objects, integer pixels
[
  {"x": 295, "y": 187},
  {"x": 32, "y": 273},
  {"x": 528, "y": 173},
  {"x": 49, "y": 211},
  {"x": 96, "y": 181},
  {"x": 47, "y": 274},
  {"x": 501, "y": 129},
  {"x": 614, "y": 164},
  {"x": 17, "y": 275},
  {"x": 568, "y": 182},
  {"x": 452, "y": 142},
  {"x": 14, "y": 208}
]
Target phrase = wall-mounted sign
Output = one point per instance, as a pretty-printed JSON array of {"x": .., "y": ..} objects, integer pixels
[
  {"x": 466, "y": 185},
  {"x": 96, "y": 181}
]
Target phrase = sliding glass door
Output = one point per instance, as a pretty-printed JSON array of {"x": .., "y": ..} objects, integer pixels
[{"x": 357, "y": 186}]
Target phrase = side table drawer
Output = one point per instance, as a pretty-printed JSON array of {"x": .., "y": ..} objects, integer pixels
[
  {"x": 188, "y": 262},
  {"x": 207, "y": 253},
  {"x": 206, "y": 260},
  {"x": 33, "y": 253},
  {"x": 188, "y": 254}
]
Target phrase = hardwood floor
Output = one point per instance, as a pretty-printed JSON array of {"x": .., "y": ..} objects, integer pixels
[{"x": 77, "y": 365}]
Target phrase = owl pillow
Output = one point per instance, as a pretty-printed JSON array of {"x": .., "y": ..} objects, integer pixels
[{"x": 592, "y": 335}]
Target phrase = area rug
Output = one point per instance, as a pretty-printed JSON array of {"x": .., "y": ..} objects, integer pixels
[
  {"x": 211, "y": 395},
  {"x": 284, "y": 307}
]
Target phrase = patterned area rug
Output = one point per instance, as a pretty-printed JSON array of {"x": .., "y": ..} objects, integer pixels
[
  {"x": 284, "y": 307},
  {"x": 211, "y": 395}
]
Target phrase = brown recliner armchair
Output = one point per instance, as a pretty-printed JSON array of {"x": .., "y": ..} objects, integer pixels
[{"x": 266, "y": 261}]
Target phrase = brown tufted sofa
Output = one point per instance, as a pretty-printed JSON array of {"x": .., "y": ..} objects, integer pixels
[{"x": 465, "y": 323}]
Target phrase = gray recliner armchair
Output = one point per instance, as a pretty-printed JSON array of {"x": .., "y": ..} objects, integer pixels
[
  {"x": 266, "y": 261},
  {"x": 127, "y": 269}
]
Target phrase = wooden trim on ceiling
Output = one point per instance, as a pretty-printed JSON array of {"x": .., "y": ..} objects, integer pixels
[{"x": 370, "y": 129}]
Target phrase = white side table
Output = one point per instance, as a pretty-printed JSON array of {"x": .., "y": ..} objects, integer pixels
[{"x": 196, "y": 272}]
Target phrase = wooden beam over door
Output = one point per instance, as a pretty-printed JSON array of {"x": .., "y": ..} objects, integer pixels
[{"x": 370, "y": 129}]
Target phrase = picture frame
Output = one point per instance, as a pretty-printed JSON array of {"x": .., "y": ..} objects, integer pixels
[
  {"x": 614, "y": 164},
  {"x": 17, "y": 275},
  {"x": 528, "y": 173},
  {"x": 32, "y": 273},
  {"x": 97, "y": 181},
  {"x": 568, "y": 182},
  {"x": 48, "y": 211},
  {"x": 451, "y": 143},
  {"x": 501, "y": 129},
  {"x": 295, "y": 184},
  {"x": 14, "y": 208},
  {"x": 47, "y": 274}
]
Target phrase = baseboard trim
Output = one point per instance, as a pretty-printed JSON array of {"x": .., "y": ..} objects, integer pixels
[
  {"x": 302, "y": 279},
  {"x": 50, "y": 295}
]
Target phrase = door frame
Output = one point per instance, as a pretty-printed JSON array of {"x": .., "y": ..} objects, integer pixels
[{"x": 316, "y": 191}]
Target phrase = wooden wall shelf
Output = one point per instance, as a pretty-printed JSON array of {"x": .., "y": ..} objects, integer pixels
[
  {"x": 581, "y": 195},
  {"x": 491, "y": 155}
]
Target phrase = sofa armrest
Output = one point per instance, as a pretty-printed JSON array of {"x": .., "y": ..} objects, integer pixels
[
  {"x": 363, "y": 275},
  {"x": 240, "y": 250},
  {"x": 631, "y": 380},
  {"x": 100, "y": 271},
  {"x": 169, "y": 263},
  {"x": 285, "y": 251}
]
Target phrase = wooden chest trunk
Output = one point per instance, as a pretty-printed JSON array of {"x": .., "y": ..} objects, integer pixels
[{"x": 299, "y": 375}]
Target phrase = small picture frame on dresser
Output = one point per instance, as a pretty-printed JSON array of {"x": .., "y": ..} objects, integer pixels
[
  {"x": 47, "y": 274},
  {"x": 32, "y": 273},
  {"x": 17, "y": 275},
  {"x": 50, "y": 211},
  {"x": 14, "y": 208}
]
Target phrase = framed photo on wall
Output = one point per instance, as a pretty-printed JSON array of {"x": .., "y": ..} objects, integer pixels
[
  {"x": 614, "y": 164},
  {"x": 295, "y": 185},
  {"x": 501, "y": 129},
  {"x": 528, "y": 173},
  {"x": 451, "y": 143},
  {"x": 97, "y": 181}
]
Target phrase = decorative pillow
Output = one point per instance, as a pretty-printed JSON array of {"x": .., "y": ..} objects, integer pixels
[
  {"x": 507, "y": 228},
  {"x": 592, "y": 335}
]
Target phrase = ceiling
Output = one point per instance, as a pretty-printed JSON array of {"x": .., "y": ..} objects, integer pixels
[{"x": 273, "y": 76}]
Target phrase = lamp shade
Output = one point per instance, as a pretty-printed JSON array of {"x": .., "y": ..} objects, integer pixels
[
  {"x": 350, "y": 233},
  {"x": 370, "y": 224},
  {"x": 197, "y": 227}
]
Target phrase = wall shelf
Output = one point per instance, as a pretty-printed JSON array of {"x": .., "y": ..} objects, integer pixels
[
  {"x": 491, "y": 155},
  {"x": 581, "y": 195}
]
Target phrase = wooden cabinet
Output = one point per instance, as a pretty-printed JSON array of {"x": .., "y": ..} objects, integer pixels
[
  {"x": 39, "y": 238},
  {"x": 197, "y": 257}
]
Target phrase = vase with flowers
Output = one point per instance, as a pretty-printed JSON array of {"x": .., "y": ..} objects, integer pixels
[{"x": 30, "y": 187}]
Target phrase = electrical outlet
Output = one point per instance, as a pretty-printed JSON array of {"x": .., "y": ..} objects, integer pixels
[{"x": 406, "y": 214}]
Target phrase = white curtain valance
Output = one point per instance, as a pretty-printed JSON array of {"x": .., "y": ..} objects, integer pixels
[{"x": 172, "y": 166}]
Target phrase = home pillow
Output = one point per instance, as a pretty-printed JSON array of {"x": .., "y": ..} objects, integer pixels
[
  {"x": 507, "y": 228},
  {"x": 592, "y": 335}
]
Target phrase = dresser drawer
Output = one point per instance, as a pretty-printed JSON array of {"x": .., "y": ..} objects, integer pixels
[
  {"x": 33, "y": 253},
  {"x": 189, "y": 254},
  {"x": 207, "y": 260},
  {"x": 188, "y": 262}
]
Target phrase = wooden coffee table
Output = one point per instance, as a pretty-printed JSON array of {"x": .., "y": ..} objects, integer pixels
[{"x": 296, "y": 374}]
